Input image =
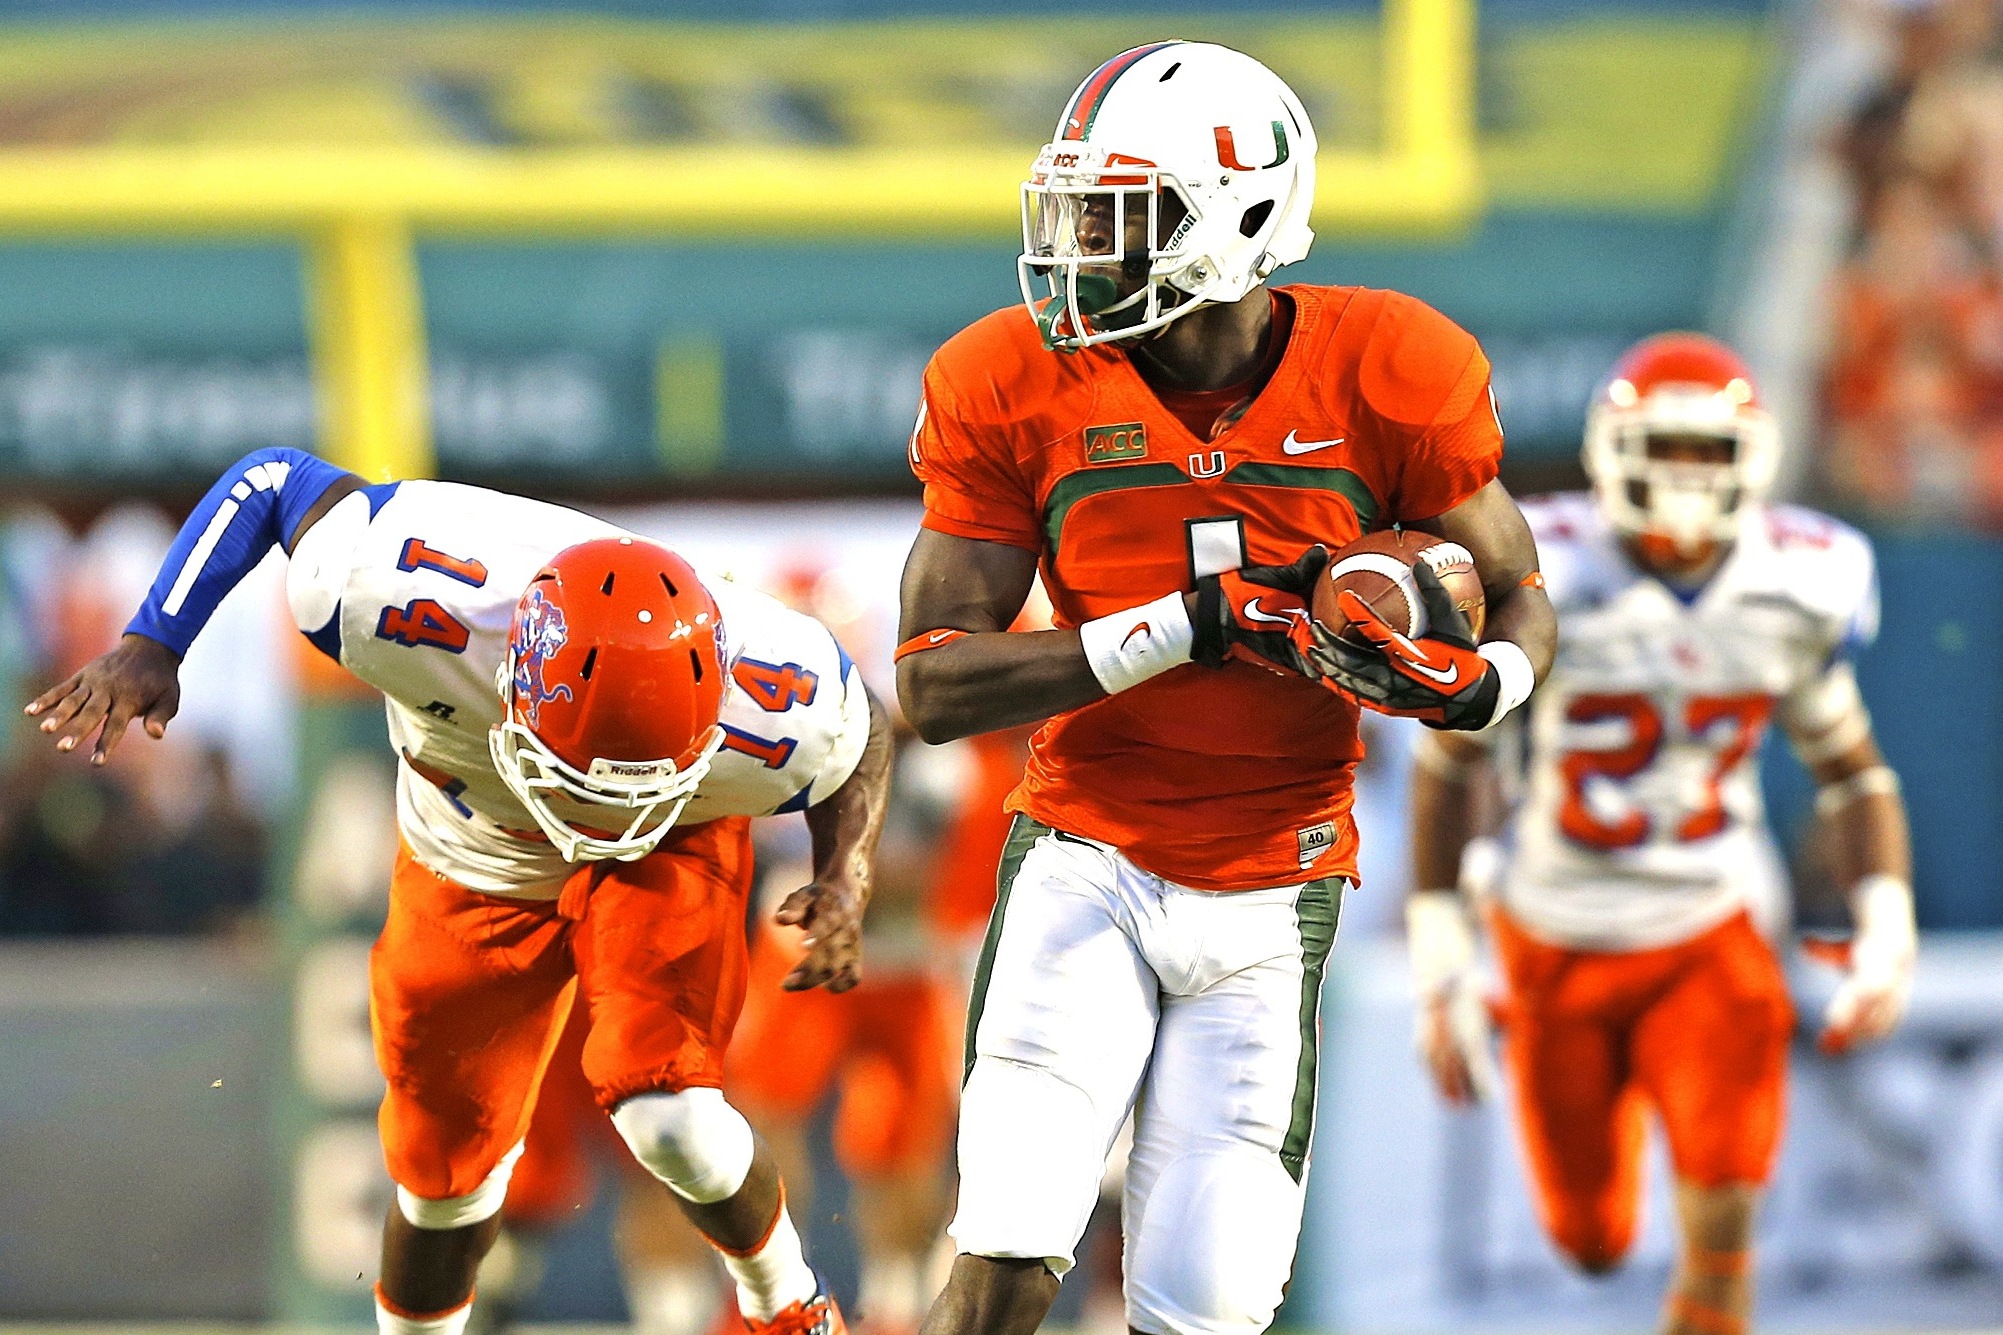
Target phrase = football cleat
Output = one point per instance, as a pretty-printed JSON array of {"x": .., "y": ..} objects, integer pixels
[{"x": 819, "y": 1315}]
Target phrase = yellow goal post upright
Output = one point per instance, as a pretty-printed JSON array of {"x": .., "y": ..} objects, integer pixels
[{"x": 357, "y": 213}]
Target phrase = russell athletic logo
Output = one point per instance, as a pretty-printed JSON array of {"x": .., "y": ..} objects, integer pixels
[
  {"x": 1115, "y": 444},
  {"x": 539, "y": 633}
]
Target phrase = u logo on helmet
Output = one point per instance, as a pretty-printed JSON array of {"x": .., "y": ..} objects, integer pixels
[
  {"x": 539, "y": 633},
  {"x": 1227, "y": 151}
]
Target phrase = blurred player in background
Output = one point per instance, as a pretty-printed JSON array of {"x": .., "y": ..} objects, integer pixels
[
  {"x": 1638, "y": 867},
  {"x": 1163, "y": 435},
  {"x": 585, "y": 728}
]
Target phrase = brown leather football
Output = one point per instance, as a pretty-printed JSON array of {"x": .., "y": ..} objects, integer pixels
[{"x": 1378, "y": 569}]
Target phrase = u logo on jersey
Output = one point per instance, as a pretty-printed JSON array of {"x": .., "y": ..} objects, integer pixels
[{"x": 539, "y": 633}]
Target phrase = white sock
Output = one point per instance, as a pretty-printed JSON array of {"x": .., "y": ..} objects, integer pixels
[
  {"x": 890, "y": 1292},
  {"x": 774, "y": 1274},
  {"x": 444, "y": 1323},
  {"x": 673, "y": 1299}
]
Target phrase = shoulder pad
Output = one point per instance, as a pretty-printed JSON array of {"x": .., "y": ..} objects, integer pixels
[
  {"x": 996, "y": 372},
  {"x": 1823, "y": 566},
  {"x": 1415, "y": 365}
]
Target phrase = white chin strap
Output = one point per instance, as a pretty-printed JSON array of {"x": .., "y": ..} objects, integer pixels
[{"x": 534, "y": 774}]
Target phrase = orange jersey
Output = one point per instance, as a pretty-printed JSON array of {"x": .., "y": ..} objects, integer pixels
[{"x": 1378, "y": 413}]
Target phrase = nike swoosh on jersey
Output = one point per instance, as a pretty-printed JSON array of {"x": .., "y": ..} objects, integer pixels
[
  {"x": 1253, "y": 612},
  {"x": 1293, "y": 445}
]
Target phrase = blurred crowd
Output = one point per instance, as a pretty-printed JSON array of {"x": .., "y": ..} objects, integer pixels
[
  {"x": 170, "y": 838},
  {"x": 1914, "y": 388}
]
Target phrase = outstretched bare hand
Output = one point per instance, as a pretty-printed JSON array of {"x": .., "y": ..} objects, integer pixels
[
  {"x": 139, "y": 679},
  {"x": 830, "y": 912}
]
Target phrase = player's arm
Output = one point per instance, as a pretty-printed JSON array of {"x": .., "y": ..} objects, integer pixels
[
  {"x": 1452, "y": 783},
  {"x": 960, "y": 671},
  {"x": 267, "y": 498},
  {"x": 1858, "y": 802},
  {"x": 845, "y": 827}
]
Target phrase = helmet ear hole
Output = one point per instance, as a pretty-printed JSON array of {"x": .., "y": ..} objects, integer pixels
[{"x": 1255, "y": 218}]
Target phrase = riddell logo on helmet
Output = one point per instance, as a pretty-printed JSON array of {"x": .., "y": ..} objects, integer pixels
[
  {"x": 538, "y": 635},
  {"x": 1116, "y": 443},
  {"x": 602, "y": 768}
]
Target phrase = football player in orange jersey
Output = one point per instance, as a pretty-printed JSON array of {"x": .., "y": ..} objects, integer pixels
[
  {"x": 1162, "y": 436},
  {"x": 1623, "y": 914}
]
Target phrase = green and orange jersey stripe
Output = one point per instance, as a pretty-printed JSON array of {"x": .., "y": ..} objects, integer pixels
[{"x": 1091, "y": 95}]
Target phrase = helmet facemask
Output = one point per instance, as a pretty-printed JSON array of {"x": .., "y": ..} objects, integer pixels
[
  {"x": 1676, "y": 471},
  {"x": 654, "y": 791},
  {"x": 1107, "y": 249}
]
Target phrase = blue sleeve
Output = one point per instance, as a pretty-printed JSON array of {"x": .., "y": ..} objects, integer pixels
[{"x": 252, "y": 508}]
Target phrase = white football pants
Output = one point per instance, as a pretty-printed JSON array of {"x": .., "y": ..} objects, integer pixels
[{"x": 1103, "y": 988}]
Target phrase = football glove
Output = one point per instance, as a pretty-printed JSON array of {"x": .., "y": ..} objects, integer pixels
[
  {"x": 1438, "y": 677},
  {"x": 1451, "y": 1029},
  {"x": 1259, "y": 614},
  {"x": 1879, "y": 963}
]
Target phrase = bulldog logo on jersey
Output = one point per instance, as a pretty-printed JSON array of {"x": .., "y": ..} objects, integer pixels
[{"x": 539, "y": 632}]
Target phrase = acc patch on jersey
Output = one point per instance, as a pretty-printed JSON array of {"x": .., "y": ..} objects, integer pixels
[{"x": 1117, "y": 443}]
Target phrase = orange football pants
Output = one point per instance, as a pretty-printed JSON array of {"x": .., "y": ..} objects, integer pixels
[
  {"x": 891, "y": 1043},
  {"x": 1698, "y": 1031},
  {"x": 469, "y": 994}
]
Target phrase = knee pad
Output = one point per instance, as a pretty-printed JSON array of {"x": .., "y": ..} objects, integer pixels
[
  {"x": 476, "y": 1206},
  {"x": 692, "y": 1140}
]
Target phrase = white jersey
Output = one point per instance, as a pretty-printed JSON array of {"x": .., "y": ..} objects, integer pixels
[
  {"x": 416, "y": 595},
  {"x": 1640, "y": 822}
]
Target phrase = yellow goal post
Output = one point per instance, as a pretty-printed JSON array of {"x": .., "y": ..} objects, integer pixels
[{"x": 358, "y": 210}]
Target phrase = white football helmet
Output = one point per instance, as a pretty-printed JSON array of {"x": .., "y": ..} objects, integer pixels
[
  {"x": 1217, "y": 152},
  {"x": 1666, "y": 388}
]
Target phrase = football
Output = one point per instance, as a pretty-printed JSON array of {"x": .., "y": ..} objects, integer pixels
[{"x": 1378, "y": 569}]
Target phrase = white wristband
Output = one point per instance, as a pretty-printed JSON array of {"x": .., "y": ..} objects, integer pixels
[
  {"x": 1878, "y": 780},
  {"x": 1440, "y": 938},
  {"x": 1127, "y": 648},
  {"x": 1513, "y": 674},
  {"x": 1881, "y": 907}
]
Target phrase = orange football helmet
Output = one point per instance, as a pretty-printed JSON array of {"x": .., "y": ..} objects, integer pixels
[
  {"x": 1678, "y": 444},
  {"x": 611, "y": 688}
]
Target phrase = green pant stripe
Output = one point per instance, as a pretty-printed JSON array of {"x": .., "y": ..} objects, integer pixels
[
  {"x": 1316, "y": 910},
  {"x": 1021, "y": 836}
]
